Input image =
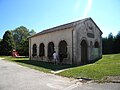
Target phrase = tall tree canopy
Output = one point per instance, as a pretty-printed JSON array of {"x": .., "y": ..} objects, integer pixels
[
  {"x": 117, "y": 43},
  {"x": 32, "y": 32},
  {"x": 7, "y": 44},
  {"x": 21, "y": 35},
  {"x": 16, "y": 39},
  {"x": 111, "y": 44}
]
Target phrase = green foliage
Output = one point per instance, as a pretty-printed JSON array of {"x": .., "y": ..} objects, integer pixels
[
  {"x": 32, "y": 32},
  {"x": 38, "y": 65},
  {"x": 111, "y": 45},
  {"x": 7, "y": 44},
  {"x": 24, "y": 47},
  {"x": 109, "y": 65},
  {"x": 117, "y": 43},
  {"x": 16, "y": 39},
  {"x": 21, "y": 35}
]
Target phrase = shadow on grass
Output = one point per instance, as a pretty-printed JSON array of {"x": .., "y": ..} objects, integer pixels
[{"x": 47, "y": 65}]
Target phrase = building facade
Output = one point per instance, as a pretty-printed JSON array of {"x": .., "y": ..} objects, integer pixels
[{"x": 78, "y": 42}]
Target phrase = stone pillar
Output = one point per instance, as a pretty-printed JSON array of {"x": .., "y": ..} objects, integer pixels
[
  {"x": 100, "y": 47},
  {"x": 30, "y": 49},
  {"x": 69, "y": 54},
  {"x": 37, "y": 50},
  {"x": 79, "y": 55},
  {"x": 56, "y": 48},
  {"x": 46, "y": 51},
  {"x": 88, "y": 52}
]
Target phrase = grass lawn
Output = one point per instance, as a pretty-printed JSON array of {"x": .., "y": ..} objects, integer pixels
[
  {"x": 109, "y": 65},
  {"x": 38, "y": 65}
]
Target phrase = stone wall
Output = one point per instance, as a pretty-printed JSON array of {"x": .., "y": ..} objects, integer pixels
[
  {"x": 89, "y": 32},
  {"x": 54, "y": 37},
  {"x": 73, "y": 33}
]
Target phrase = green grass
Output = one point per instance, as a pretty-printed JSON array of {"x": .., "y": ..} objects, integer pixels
[
  {"x": 38, "y": 65},
  {"x": 109, "y": 65}
]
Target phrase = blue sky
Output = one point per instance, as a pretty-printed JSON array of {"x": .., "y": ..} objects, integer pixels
[{"x": 44, "y": 14}]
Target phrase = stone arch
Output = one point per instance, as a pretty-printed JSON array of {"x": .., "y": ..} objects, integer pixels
[
  {"x": 84, "y": 38},
  {"x": 34, "y": 50},
  {"x": 62, "y": 50},
  {"x": 50, "y": 49},
  {"x": 41, "y": 50},
  {"x": 84, "y": 52}
]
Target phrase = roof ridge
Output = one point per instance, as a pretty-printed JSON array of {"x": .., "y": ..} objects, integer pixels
[{"x": 60, "y": 27}]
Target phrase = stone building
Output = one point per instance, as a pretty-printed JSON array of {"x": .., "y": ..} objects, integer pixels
[{"x": 77, "y": 42}]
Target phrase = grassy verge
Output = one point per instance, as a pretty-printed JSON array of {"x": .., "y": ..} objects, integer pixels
[
  {"x": 109, "y": 65},
  {"x": 37, "y": 65},
  {"x": 21, "y": 60}
]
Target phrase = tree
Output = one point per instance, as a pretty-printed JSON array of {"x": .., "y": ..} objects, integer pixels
[
  {"x": 117, "y": 43},
  {"x": 107, "y": 44},
  {"x": 110, "y": 43},
  {"x": 21, "y": 35},
  {"x": 0, "y": 39},
  {"x": 104, "y": 45},
  {"x": 1, "y": 49},
  {"x": 32, "y": 32},
  {"x": 7, "y": 44},
  {"x": 24, "y": 47}
]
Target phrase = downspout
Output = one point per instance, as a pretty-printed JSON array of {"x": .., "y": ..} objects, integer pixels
[
  {"x": 100, "y": 46},
  {"x": 72, "y": 48},
  {"x": 30, "y": 48}
]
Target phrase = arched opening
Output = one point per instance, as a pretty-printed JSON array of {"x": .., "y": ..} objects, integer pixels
[
  {"x": 96, "y": 50},
  {"x": 62, "y": 50},
  {"x": 96, "y": 44},
  {"x": 34, "y": 51},
  {"x": 84, "y": 56},
  {"x": 41, "y": 50},
  {"x": 50, "y": 49}
]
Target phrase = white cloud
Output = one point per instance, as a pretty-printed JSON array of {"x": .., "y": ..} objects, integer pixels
[
  {"x": 88, "y": 8},
  {"x": 77, "y": 5},
  {"x": 82, "y": 8}
]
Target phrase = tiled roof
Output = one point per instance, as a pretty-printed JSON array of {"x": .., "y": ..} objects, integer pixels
[{"x": 61, "y": 27}]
